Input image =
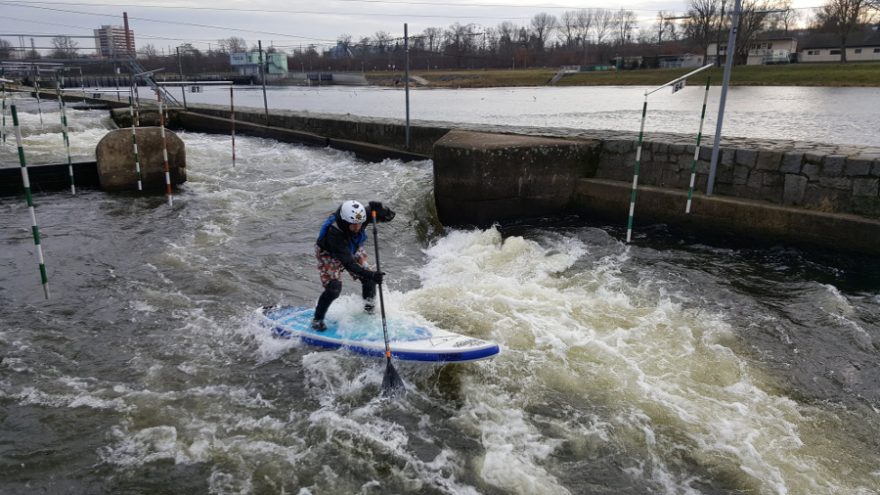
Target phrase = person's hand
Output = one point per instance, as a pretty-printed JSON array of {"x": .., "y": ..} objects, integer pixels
[
  {"x": 377, "y": 277},
  {"x": 383, "y": 213}
]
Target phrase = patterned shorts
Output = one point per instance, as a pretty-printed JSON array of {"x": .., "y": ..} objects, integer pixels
[{"x": 331, "y": 268}]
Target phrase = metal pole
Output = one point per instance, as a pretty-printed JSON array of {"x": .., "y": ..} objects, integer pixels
[
  {"x": 232, "y": 118},
  {"x": 134, "y": 141},
  {"x": 25, "y": 181},
  {"x": 164, "y": 150},
  {"x": 687, "y": 208},
  {"x": 137, "y": 104},
  {"x": 82, "y": 84},
  {"x": 180, "y": 70},
  {"x": 406, "y": 78},
  {"x": 635, "y": 185},
  {"x": 263, "y": 80},
  {"x": 3, "y": 128},
  {"x": 37, "y": 91},
  {"x": 63, "y": 111},
  {"x": 728, "y": 67}
]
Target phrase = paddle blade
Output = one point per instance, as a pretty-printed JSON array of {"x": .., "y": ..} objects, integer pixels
[{"x": 392, "y": 385}]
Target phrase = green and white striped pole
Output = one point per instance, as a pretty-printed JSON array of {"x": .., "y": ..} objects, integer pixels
[
  {"x": 134, "y": 141},
  {"x": 25, "y": 180},
  {"x": 63, "y": 110},
  {"x": 3, "y": 129},
  {"x": 635, "y": 185},
  {"x": 164, "y": 149},
  {"x": 687, "y": 208}
]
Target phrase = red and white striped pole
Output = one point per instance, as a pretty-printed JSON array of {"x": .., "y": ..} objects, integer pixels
[
  {"x": 232, "y": 117},
  {"x": 164, "y": 150}
]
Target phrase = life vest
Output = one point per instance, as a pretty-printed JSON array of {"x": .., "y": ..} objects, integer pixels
[{"x": 354, "y": 243}]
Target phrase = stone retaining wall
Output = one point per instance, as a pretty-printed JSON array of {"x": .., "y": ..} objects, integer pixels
[{"x": 818, "y": 177}]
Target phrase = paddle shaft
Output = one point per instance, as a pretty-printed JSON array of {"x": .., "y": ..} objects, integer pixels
[{"x": 381, "y": 298}]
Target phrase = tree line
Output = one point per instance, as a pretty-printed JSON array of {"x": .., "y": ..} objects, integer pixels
[{"x": 576, "y": 37}]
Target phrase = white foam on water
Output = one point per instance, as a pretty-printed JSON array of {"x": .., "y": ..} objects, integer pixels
[{"x": 596, "y": 335}]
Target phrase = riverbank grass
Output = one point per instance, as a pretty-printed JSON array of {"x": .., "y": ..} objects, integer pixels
[{"x": 840, "y": 75}]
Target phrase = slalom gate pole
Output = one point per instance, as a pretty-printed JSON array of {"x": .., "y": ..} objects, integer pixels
[
  {"x": 82, "y": 84},
  {"x": 391, "y": 382},
  {"x": 37, "y": 92},
  {"x": 25, "y": 180},
  {"x": 64, "y": 132},
  {"x": 635, "y": 184},
  {"x": 137, "y": 106},
  {"x": 3, "y": 129},
  {"x": 164, "y": 150},
  {"x": 687, "y": 208},
  {"x": 134, "y": 141},
  {"x": 232, "y": 118}
]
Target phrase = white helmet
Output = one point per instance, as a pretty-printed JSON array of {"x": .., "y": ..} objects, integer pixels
[{"x": 353, "y": 212}]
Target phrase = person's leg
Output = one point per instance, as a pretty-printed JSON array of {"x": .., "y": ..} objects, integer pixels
[
  {"x": 330, "y": 270},
  {"x": 331, "y": 292},
  {"x": 368, "y": 287}
]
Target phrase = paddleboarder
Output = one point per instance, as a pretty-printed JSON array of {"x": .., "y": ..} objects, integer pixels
[{"x": 340, "y": 247}]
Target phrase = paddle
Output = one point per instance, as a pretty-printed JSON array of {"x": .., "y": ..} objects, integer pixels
[{"x": 392, "y": 385}]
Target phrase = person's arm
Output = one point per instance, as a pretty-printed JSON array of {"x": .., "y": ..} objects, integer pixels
[{"x": 338, "y": 247}]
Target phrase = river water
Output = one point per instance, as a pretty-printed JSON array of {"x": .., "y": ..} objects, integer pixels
[
  {"x": 814, "y": 114},
  {"x": 676, "y": 365}
]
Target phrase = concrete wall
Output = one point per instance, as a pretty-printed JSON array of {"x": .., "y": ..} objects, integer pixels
[
  {"x": 482, "y": 178},
  {"x": 800, "y": 191},
  {"x": 817, "y": 177}
]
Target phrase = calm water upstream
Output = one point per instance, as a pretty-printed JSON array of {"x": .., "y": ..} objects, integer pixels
[
  {"x": 671, "y": 366},
  {"x": 826, "y": 115}
]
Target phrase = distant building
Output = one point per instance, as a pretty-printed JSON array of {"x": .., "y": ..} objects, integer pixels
[
  {"x": 248, "y": 63},
  {"x": 762, "y": 51},
  {"x": 686, "y": 60},
  {"x": 341, "y": 50},
  {"x": 110, "y": 41},
  {"x": 862, "y": 47}
]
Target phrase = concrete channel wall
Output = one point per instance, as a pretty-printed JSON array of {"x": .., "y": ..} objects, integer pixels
[{"x": 827, "y": 195}]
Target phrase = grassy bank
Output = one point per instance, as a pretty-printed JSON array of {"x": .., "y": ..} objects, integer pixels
[{"x": 852, "y": 74}]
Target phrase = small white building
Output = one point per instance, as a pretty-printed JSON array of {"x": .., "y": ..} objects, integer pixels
[
  {"x": 863, "y": 47},
  {"x": 762, "y": 51}
]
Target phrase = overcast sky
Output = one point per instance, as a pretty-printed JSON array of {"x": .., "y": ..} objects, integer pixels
[{"x": 287, "y": 24}]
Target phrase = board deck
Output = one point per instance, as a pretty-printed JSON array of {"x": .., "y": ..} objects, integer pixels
[{"x": 363, "y": 335}]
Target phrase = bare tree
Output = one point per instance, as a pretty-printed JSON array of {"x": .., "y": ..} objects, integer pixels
[
  {"x": 844, "y": 16},
  {"x": 585, "y": 19},
  {"x": 700, "y": 25},
  {"x": 543, "y": 25},
  {"x": 382, "y": 40},
  {"x": 568, "y": 27},
  {"x": 785, "y": 20},
  {"x": 506, "y": 37},
  {"x": 603, "y": 24},
  {"x": 150, "y": 51},
  {"x": 64, "y": 47},
  {"x": 232, "y": 44},
  {"x": 5, "y": 49},
  {"x": 432, "y": 37},
  {"x": 625, "y": 23}
]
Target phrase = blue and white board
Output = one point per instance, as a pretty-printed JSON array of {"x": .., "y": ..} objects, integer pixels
[{"x": 363, "y": 335}]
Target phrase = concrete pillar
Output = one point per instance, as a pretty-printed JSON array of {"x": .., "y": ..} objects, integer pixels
[
  {"x": 482, "y": 178},
  {"x": 116, "y": 166}
]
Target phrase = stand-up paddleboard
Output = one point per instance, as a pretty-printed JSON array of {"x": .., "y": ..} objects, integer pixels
[{"x": 363, "y": 335}]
